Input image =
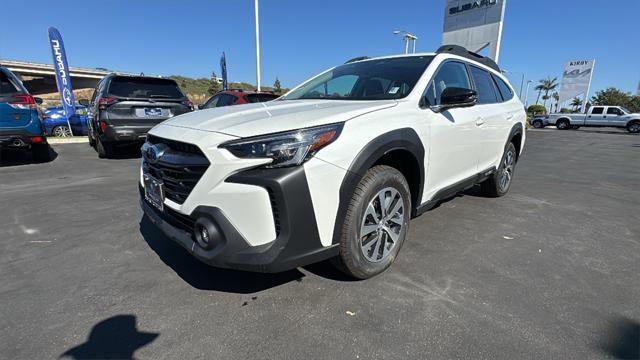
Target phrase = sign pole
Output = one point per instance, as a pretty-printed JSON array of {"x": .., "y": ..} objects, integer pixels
[{"x": 586, "y": 95}]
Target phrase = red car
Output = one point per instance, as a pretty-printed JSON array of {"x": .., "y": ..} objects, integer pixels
[{"x": 237, "y": 97}]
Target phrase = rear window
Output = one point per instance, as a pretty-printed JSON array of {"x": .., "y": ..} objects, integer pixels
[
  {"x": 132, "y": 87},
  {"x": 7, "y": 85},
  {"x": 254, "y": 98},
  {"x": 484, "y": 86},
  {"x": 505, "y": 91}
]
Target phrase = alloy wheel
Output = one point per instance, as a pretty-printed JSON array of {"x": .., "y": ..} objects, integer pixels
[
  {"x": 61, "y": 131},
  {"x": 382, "y": 224},
  {"x": 506, "y": 170}
]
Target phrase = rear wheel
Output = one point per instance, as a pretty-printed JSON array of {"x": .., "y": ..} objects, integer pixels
[
  {"x": 61, "y": 131},
  {"x": 105, "y": 150},
  {"x": 563, "y": 124},
  {"x": 500, "y": 182},
  {"x": 376, "y": 223},
  {"x": 538, "y": 124},
  {"x": 634, "y": 127}
]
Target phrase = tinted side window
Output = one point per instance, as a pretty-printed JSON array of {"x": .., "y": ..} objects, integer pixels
[
  {"x": 614, "y": 111},
  {"x": 212, "y": 102},
  {"x": 226, "y": 100},
  {"x": 484, "y": 86},
  {"x": 451, "y": 74},
  {"x": 254, "y": 98},
  {"x": 505, "y": 90},
  {"x": 597, "y": 110},
  {"x": 7, "y": 85}
]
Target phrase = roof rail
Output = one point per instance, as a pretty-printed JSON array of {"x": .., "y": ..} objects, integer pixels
[
  {"x": 359, "y": 58},
  {"x": 462, "y": 51}
]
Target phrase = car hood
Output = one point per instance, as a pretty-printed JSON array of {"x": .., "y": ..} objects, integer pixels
[{"x": 275, "y": 116}]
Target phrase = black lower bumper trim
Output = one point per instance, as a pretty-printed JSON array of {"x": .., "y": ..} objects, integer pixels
[{"x": 297, "y": 244}]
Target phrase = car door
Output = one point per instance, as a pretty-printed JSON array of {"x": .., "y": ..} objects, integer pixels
[
  {"x": 615, "y": 116},
  {"x": 595, "y": 116},
  {"x": 453, "y": 145},
  {"x": 493, "y": 120}
]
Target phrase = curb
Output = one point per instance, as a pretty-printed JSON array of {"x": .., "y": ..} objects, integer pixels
[{"x": 69, "y": 140}]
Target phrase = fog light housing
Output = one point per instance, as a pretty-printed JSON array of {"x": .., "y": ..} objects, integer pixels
[{"x": 207, "y": 233}]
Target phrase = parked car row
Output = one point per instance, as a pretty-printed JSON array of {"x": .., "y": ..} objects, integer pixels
[{"x": 596, "y": 116}]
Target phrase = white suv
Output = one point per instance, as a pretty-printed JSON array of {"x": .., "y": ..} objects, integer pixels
[{"x": 335, "y": 168}]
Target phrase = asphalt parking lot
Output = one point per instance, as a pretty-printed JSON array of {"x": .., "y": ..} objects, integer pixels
[{"x": 549, "y": 271}]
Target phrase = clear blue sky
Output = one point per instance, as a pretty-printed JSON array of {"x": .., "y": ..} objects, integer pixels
[{"x": 302, "y": 38}]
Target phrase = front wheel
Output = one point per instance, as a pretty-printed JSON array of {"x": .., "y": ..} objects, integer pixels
[
  {"x": 376, "y": 223},
  {"x": 634, "y": 127},
  {"x": 500, "y": 182}
]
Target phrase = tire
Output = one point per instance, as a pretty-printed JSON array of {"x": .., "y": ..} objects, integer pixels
[
  {"x": 92, "y": 141},
  {"x": 40, "y": 152},
  {"x": 105, "y": 150},
  {"x": 563, "y": 124},
  {"x": 61, "y": 131},
  {"x": 370, "y": 242},
  {"x": 633, "y": 127},
  {"x": 537, "y": 124},
  {"x": 500, "y": 182}
]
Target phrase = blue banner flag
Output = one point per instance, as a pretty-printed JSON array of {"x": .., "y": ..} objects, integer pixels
[
  {"x": 223, "y": 66},
  {"x": 63, "y": 79}
]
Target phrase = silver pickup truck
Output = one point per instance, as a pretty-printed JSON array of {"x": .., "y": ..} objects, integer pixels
[{"x": 596, "y": 116}]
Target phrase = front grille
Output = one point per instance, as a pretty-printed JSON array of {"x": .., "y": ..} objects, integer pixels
[{"x": 179, "y": 168}]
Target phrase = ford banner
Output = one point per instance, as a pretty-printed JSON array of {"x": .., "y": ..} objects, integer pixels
[{"x": 63, "y": 79}]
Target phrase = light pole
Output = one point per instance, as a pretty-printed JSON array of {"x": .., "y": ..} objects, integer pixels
[
  {"x": 526, "y": 94},
  {"x": 406, "y": 38},
  {"x": 257, "y": 45}
]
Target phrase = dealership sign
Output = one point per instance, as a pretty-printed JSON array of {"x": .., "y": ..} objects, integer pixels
[
  {"x": 63, "y": 78},
  {"x": 474, "y": 24},
  {"x": 576, "y": 80}
]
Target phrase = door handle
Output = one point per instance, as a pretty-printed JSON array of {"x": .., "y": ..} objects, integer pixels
[
  {"x": 510, "y": 116},
  {"x": 479, "y": 121}
]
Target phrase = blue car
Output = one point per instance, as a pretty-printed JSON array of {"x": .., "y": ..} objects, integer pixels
[
  {"x": 55, "y": 121},
  {"x": 20, "y": 125}
]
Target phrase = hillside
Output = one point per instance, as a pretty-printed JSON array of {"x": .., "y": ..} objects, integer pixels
[{"x": 198, "y": 89}]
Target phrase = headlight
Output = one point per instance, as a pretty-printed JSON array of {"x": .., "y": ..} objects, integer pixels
[{"x": 286, "y": 149}]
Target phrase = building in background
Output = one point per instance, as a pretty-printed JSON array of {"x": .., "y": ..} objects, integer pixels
[{"x": 474, "y": 24}]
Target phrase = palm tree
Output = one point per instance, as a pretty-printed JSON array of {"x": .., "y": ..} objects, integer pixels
[
  {"x": 539, "y": 88},
  {"x": 556, "y": 97},
  {"x": 576, "y": 103},
  {"x": 549, "y": 84}
]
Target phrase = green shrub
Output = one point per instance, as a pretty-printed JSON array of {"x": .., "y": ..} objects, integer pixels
[{"x": 536, "y": 109}]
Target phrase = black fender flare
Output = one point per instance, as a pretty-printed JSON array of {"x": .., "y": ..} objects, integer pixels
[
  {"x": 516, "y": 129},
  {"x": 400, "y": 139}
]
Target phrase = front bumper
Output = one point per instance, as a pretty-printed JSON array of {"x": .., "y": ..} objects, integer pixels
[{"x": 297, "y": 241}]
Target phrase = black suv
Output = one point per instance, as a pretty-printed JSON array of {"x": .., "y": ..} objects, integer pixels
[{"x": 124, "y": 108}]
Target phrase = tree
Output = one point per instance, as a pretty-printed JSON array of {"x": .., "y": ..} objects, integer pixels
[
  {"x": 556, "y": 97},
  {"x": 547, "y": 85},
  {"x": 576, "y": 103},
  {"x": 536, "y": 109},
  {"x": 276, "y": 86},
  {"x": 214, "y": 84},
  {"x": 611, "y": 96},
  {"x": 539, "y": 88}
]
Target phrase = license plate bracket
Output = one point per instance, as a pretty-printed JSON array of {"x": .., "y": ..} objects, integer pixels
[{"x": 153, "y": 191}]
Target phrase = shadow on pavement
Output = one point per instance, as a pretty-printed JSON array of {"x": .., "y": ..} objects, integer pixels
[
  {"x": 205, "y": 277},
  {"x": 11, "y": 157},
  {"x": 623, "y": 339},
  {"x": 114, "y": 338}
]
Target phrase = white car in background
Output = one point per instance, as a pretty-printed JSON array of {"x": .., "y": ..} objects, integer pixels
[{"x": 335, "y": 168}]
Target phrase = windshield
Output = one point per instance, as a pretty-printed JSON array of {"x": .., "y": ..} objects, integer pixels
[
  {"x": 391, "y": 78},
  {"x": 625, "y": 110}
]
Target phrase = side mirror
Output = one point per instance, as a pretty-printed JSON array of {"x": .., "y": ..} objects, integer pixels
[
  {"x": 38, "y": 100},
  {"x": 83, "y": 102},
  {"x": 454, "y": 97},
  {"x": 201, "y": 106}
]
